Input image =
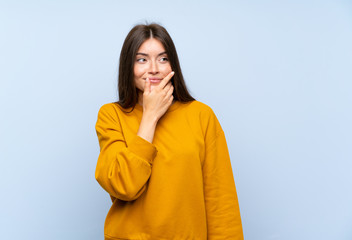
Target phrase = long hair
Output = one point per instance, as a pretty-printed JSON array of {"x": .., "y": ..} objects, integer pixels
[{"x": 128, "y": 93}]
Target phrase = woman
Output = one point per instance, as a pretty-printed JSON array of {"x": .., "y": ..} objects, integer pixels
[{"x": 163, "y": 155}]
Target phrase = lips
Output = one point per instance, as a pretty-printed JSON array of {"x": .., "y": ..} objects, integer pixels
[{"x": 155, "y": 80}]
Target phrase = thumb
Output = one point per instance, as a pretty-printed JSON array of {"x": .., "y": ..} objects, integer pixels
[{"x": 147, "y": 85}]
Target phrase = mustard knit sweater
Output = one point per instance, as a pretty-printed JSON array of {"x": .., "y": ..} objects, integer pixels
[{"x": 180, "y": 187}]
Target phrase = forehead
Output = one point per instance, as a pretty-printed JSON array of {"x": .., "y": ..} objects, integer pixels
[{"x": 151, "y": 46}]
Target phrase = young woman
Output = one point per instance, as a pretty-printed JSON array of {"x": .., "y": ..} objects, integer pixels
[{"x": 163, "y": 155}]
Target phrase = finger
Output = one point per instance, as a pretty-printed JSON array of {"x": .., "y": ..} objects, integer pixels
[
  {"x": 166, "y": 80},
  {"x": 170, "y": 91},
  {"x": 168, "y": 86},
  {"x": 147, "y": 86},
  {"x": 171, "y": 99},
  {"x": 166, "y": 89}
]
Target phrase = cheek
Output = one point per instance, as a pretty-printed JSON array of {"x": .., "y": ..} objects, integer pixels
[
  {"x": 138, "y": 71},
  {"x": 166, "y": 68}
]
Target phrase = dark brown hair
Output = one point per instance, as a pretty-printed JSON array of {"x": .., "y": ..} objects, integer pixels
[{"x": 128, "y": 93}]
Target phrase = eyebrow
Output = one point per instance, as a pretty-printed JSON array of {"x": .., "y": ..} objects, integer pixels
[{"x": 144, "y": 54}]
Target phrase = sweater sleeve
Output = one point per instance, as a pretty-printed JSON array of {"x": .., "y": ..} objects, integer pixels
[
  {"x": 122, "y": 169},
  {"x": 222, "y": 208}
]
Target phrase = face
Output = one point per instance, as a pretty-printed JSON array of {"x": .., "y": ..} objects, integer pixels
[{"x": 151, "y": 61}]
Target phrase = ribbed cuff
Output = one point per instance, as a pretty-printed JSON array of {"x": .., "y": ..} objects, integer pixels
[{"x": 143, "y": 148}]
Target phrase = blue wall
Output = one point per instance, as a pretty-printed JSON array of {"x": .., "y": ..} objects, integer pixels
[{"x": 277, "y": 74}]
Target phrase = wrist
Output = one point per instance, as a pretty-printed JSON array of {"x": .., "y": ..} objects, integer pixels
[{"x": 149, "y": 118}]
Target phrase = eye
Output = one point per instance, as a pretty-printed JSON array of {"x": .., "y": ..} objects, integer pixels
[
  {"x": 141, "y": 60},
  {"x": 164, "y": 59}
]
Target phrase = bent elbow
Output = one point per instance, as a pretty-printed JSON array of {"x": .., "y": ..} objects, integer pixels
[
  {"x": 128, "y": 193},
  {"x": 97, "y": 176},
  {"x": 125, "y": 191}
]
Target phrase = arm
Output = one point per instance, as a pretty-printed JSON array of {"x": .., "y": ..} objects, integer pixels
[
  {"x": 222, "y": 209},
  {"x": 147, "y": 126},
  {"x": 122, "y": 170}
]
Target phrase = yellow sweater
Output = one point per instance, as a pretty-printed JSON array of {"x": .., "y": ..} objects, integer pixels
[{"x": 180, "y": 187}]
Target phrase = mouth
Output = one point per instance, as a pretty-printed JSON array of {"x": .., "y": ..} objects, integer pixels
[{"x": 154, "y": 80}]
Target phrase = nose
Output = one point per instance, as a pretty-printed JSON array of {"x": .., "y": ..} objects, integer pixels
[{"x": 153, "y": 68}]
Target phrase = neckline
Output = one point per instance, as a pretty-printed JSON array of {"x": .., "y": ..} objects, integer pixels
[{"x": 173, "y": 106}]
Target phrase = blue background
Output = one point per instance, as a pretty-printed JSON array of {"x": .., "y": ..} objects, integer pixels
[{"x": 276, "y": 73}]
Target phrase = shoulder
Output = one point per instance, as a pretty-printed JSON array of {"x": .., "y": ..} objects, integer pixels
[
  {"x": 206, "y": 117},
  {"x": 111, "y": 108},
  {"x": 201, "y": 108},
  {"x": 109, "y": 112}
]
